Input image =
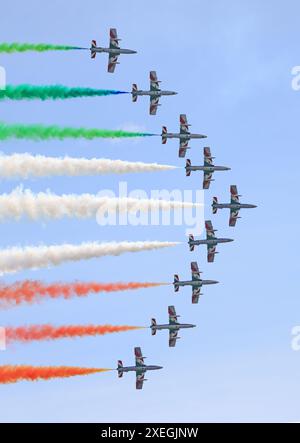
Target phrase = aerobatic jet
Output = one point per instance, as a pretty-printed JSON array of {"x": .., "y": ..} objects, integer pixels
[
  {"x": 184, "y": 135},
  {"x": 113, "y": 51},
  {"x": 140, "y": 368},
  {"x": 173, "y": 326},
  {"x": 196, "y": 282},
  {"x": 154, "y": 93},
  {"x": 234, "y": 205},
  {"x": 208, "y": 168},
  {"x": 211, "y": 241}
]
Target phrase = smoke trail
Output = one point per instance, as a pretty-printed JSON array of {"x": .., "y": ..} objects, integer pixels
[
  {"x": 35, "y": 291},
  {"x": 51, "y": 206},
  {"x": 30, "y": 92},
  {"x": 18, "y": 259},
  {"x": 40, "y": 47},
  {"x": 26, "y": 165},
  {"x": 48, "y": 332},
  {"x": 13, "y": 374},
  {"x": 40, "y": 132}
]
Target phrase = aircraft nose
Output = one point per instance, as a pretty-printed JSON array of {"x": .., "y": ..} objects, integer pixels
[{"x": 159, "y": 367}]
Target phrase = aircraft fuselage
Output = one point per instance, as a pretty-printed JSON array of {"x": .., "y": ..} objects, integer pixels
[
  {"x": 186, "y": 136},
  {"x": 173, "y": 327},
  {"x": 114, "y": 51},
  {"x": 235, "y": 206},
  {"x": 144, "y": 368},
  {"x": 195, "y": 283},
  {"x": 207, "y": 168},
  {"x": 210, "y": 242},
  {"x": 157, "y": 93}
]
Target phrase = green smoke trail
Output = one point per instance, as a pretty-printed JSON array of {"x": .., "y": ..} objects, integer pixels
[
  {"x": 54, "y": 92},
  {"x": 39, "y": 132},
  {"x": 40, "y": 47}
]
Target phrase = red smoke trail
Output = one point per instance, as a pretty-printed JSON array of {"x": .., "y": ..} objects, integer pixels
[
  {"x": 49, "y": 332},
  {"x": 33, "y": 291},
  {"x": 12, "y": 374}
]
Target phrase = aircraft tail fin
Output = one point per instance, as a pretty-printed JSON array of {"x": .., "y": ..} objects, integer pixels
[
  {"x": 120, "y": 366},
  {"x": 133, "y": 92},
  {"x": 93, "y": 46},
  {"x": 215, "y": 202},
  {"x": 188, "y": 165},
  {"x": 191, "y": 239},
  {"x": 153, "y": 324},
  {"x": 176, "y": 280},
  {"x": 163, "y": 135}
]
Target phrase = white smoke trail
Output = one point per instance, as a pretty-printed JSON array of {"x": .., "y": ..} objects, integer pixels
[
  {"x": 42, "y": 205},
  {"x": 26, "y": 166},
  {"x": 19, "y": 259}
]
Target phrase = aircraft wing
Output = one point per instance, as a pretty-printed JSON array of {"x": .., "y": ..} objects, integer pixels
[
  {"x": 211, "y": 251},
  {"x": 139, "y": 359},
  {"x": 234, "y": 194},
  {"x": 154, "y": 83},
  {"x": 140, "y": 377},
  {"x": 210, "y": 231},
  {"x": 172, "y": 338},
  {"x": 195, "y": 295},
  {"x": 113, "y": 39},
  {"x": 234, "y": 215},
  {"x": 172, "y": 315},
  {"x": 207, "y": 157},
  {"x": 207, "y": 179},
  {"x": 154, "y": 103},
  {"x": 184, "y": 126},
  {"x": 183, "y": 146},
  {"x": 112, "y": 62},
  {"x": 195, "y": 271}
]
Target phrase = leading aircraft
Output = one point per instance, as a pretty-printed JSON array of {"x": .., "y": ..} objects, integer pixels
[
  {"x": 211, "y": 241},
  {"x": 113, "y": 51},
  {"x": 234, "y": 205},
  {"x": 184, "y": 135},
  {"x": 208, "y": 168},
  {"x": 140, "y": 368},
  {"x": 154, "y": 93},
  {"x": 173, "y": 326},
  {"x": 196, "y": 282}
]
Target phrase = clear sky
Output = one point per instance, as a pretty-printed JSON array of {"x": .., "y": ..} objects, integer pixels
[{"x": 231, "y": 64}]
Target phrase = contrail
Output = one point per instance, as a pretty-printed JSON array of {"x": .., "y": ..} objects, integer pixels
[
  {"x": 25, "y": 334},
  {"x": 40, "y": 47},
  {"x": 42, "y": 205},
  {"x": 13, "y": 374},
  {"x": 40, "y": 132},
  {"x": 19, "y": 259},
  {"x": 35, "y": 291},
  {"x": 54, "y": 92},
  {"x": 26, "y": 166}
]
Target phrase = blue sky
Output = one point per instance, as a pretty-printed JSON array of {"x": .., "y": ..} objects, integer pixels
[{"x": 231, "y": 64}]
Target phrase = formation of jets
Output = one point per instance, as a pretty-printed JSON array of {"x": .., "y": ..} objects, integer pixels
[{"x": 208, "y": 168}]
